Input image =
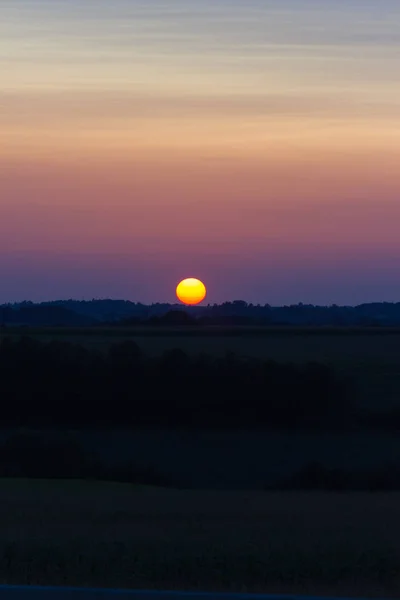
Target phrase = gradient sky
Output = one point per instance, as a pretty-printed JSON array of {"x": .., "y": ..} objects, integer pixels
[{"x": 253, "y": 144}]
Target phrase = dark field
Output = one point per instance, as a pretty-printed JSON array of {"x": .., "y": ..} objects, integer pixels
[
  {"x": 347, "y": 346},
  {"x": 235, "y": 455},
  {"x": 370, "y": 356},
  {"x": 118, "y": 535},
  {"x": 84, "y": 533}
]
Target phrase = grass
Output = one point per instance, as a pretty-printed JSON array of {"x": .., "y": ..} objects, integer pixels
[{"x": 119, "y": 535}]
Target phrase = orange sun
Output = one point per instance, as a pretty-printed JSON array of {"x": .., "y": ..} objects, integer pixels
[{"x": 191, "y": 291}]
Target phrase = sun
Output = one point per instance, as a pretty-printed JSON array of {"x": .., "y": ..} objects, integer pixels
[{"x": 191, "y": 291}]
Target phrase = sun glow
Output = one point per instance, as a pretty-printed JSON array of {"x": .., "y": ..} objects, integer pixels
[{"x": 191, "y": 291}]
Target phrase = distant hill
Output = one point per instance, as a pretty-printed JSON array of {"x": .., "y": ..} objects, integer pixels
[{"x": 124, "y": 312}]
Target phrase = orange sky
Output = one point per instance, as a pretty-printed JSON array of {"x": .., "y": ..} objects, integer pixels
[{"x": 255, "y": 146}]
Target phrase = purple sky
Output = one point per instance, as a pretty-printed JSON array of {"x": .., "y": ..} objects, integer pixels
[{"x": 254, "y": 145}]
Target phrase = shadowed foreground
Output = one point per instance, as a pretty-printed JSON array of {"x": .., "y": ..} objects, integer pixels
[
  {"x": 119, "y": 535},
  {"x": 24, "y": 592}
]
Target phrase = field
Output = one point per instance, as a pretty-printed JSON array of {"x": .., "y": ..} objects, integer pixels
[
  {"x": 334, "y": 345},
  {"x": 96, "y": 534},
  {"x": 370, "y": 356}
]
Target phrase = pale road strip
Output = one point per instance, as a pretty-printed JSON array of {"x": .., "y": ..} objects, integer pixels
[{"x": 60, "y": 593}]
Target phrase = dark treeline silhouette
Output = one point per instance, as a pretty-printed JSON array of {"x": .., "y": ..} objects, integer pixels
[
  {"x": 61, "y": 384},
  {"x": 77, "y": 313}
]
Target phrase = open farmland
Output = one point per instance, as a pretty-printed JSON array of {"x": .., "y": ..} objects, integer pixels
[
  {"x": 97, "y": 534},
  {"x": 334, "y": 345},
  {"x": 249, "y": 459},
  {"x": 369, "y": 356}
]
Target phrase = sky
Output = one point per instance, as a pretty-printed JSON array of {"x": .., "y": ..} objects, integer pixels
[{"x": 254, "y": 145}]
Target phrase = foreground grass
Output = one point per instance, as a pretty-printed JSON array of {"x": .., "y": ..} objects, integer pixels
[{"x": 119, "y": 535}]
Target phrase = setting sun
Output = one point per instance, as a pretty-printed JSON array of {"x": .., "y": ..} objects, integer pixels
[{"x": 191, "y": 291}]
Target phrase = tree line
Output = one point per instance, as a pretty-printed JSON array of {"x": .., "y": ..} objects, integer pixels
[
  {"x": 57, "y": 383},
  {"x": 87, "y": 313}
]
